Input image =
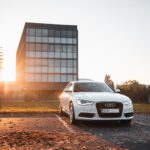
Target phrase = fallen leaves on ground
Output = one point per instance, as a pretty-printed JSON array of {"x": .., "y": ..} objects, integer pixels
[{"x": 22, "y": 140}]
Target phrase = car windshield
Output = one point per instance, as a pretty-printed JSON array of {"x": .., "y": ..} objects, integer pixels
[{"x": 92, "y": 87}]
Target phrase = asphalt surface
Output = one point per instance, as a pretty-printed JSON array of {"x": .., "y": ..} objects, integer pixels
[{"x": 133, "y": 137}]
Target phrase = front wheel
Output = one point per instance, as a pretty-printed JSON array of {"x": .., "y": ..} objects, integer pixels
[{"x": 71, "y": 115}]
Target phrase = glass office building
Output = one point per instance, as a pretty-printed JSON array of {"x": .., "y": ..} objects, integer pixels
[{"x": 48, "y": 54}]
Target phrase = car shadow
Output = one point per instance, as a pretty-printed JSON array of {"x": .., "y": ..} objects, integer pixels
[{"x": 103, "y": 124}]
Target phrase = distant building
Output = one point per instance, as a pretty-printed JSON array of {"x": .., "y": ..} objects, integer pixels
[{"x": 47, "y": 56}]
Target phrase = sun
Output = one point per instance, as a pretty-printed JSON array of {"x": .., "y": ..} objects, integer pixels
[{"x": 8, "y": 73}]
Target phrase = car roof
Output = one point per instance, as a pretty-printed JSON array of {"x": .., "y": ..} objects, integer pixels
[{"x": 85, "y": 81}]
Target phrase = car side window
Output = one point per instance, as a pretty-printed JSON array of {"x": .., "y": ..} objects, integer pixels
[{"x": 69, "y": 87}]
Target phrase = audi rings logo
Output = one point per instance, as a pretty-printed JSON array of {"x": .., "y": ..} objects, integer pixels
[{"x": 110, "y": 105}]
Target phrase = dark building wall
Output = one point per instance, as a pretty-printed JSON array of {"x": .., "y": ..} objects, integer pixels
[{"x": 20, "y": 58}]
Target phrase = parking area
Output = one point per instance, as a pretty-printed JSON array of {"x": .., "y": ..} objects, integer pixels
[{"x": 50, "y": 131}]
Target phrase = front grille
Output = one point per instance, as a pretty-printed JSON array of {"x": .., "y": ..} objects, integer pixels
[{"x": 109, "y": 105}]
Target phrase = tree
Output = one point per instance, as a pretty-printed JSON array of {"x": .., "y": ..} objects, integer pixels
[
  {"x": 109, "y": 81},
  {"x": 136, "y": 91}
]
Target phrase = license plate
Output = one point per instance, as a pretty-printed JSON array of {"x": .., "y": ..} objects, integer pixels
[{"x": 109, "y": 110}]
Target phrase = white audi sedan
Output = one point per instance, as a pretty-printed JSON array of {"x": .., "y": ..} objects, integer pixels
[{"x": 90, "y": 100}]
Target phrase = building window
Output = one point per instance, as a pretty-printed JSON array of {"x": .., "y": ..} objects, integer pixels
[
  {"x": 74, "y": 34},
  {"x": 63, "y": 63},
  {"x": 75, "y": 63},
  {"x": 44, "y": 47},
  {"x": 38, "y": 62},
  {"x": 64, "y": 48},
  {"x": 50, "y": 69},
  {"x": 44, "y": 78},
  {"x": 30, "y": 61},
  {"x": 57, "y": 40},
  {"x": 50, "y": 78},
  {"x": 45, "y": 32},
  {"x": 51, "y": 54},
  {"x": 38, "y": 47},
  {"x": 37, "y": 77},
  {"x": 38, "y": 69},
  {"x": 63, "y": 40},
  {"x": 57, "y": 78},
  {"x": 38, "y": 54},
  {"x": 69, "y": 48},
  {"x": 74, "y": 41},
  {"x": 51, "y": 33},
  {"x": 63, "y": 34},
  {"x": 57, "y": 62},
  {"x": 70, "y": 78},
  {"x": 31, "y": 32},
  {"x": 44, "y": 69},
  {"x": 31, "y": 46},
  {"x": 51, "y": 48},
  {"x": 44, "y": 54},
  {"x": 38, "y": 32},
  {"x": 63, "y": 55},
  {"x": 70, "y": 63},
  {"x": 30, "y": 77},
  {"x": 57, "y": 48},
  {"x": 74, "y": 48},
  {"x": 44, "y": 62},
  {"x": 45, "y": 39},
  {"x": 69, "y": 40},
  {"x": 69, "y": 34},
  {"x": 57, "y": 55},
  {"x": 69, "y": 55},
  {"x": 57, "y": 33},
  {"x": 57, "y": 69},
  {"x": 63, "y": 78},
  {"x": 30, "y": 39},
  {"x": 38, "y": 39},
  {"x": 30, "y": 53},
  {"x": 63, "y": 70},
  {"x": 51, "y": 40},
  {"x": 51, "y": 62},
  {"x": 70, "y": 70}
]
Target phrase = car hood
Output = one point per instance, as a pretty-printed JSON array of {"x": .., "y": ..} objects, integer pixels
[{"x": 101, "y": 96}]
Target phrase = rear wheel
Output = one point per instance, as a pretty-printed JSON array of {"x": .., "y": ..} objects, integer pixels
[
  {"x": 71, "y": 115},
  {"x": 61, "y": 111}
]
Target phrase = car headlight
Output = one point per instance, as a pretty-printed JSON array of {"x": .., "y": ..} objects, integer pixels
[
  {"x": 84, "y": 102},
  {"x": 128, "y": 104}
]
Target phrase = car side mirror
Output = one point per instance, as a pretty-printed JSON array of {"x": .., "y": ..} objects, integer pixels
[{"x": 117, "y": 90}]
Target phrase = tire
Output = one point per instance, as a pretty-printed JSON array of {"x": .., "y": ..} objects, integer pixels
[
  {"x": 61, "y": 113},
  {"x": 71, "y": 115},
  {"x": 126, "y": 121}
]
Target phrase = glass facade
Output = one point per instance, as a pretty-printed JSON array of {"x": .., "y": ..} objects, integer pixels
[{"x": 51, "y": 55}]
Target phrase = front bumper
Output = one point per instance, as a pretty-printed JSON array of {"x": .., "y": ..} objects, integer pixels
[{"x": 93, "y": 112}]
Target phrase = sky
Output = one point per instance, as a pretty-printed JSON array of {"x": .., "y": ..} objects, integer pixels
[{"x": 114, "y": 35}]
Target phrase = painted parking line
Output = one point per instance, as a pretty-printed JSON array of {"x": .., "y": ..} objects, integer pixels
[
  {"x": 65, "y": 124},
  {"x": 141, "y": 123}
]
